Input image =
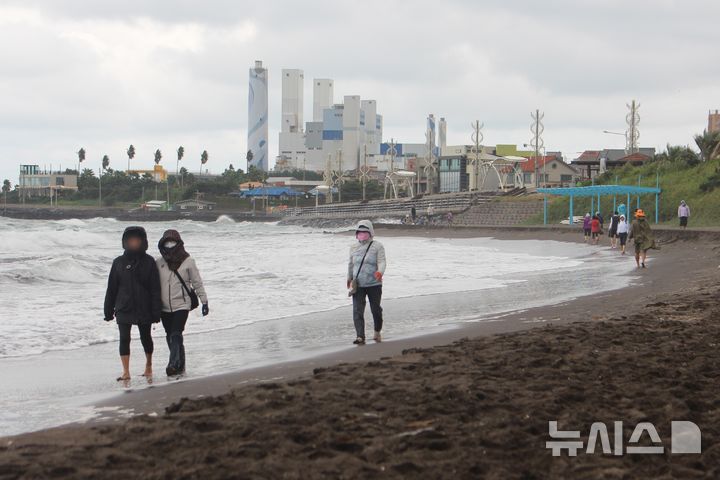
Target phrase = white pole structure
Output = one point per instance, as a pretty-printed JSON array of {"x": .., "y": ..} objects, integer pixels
[
  {"x": 537, "y": 141},
  {"x": 477, "y": 138},
  {"x": 632, "y": 134}
]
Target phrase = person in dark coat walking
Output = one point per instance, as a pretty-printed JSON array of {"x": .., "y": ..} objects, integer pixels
[{"x": 133, "y": 296}]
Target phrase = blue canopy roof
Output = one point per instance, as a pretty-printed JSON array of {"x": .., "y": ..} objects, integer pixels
[
  {"x": 273, "y": 192},
  {"x": 599, "y": 190}
]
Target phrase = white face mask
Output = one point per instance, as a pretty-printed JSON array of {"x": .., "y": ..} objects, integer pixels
[{"x": 169, "y": 244}]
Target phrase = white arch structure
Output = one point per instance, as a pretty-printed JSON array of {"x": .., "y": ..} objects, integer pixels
[{"x": 493, "y": 165}]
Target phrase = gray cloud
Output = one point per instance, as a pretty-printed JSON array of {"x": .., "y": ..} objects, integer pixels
[{"x": 103, "y": 74}]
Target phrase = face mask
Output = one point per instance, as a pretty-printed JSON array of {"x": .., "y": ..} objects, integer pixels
[
  {"x": 362, "y": 236},
  {"x": 169, "y": 244}
]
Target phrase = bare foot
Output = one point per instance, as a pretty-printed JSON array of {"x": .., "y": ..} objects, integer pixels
[
  {"x": 148, "y": 372},
  {"x": 123, "y": 377}
]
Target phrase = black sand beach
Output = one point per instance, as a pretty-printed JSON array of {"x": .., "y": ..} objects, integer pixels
[{"x": 473, "y": 408}]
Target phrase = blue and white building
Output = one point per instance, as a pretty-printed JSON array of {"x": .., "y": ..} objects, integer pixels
[{"x": 258, "y": 116}]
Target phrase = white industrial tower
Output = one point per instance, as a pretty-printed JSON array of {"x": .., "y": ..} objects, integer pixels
[
  {"x": 258, "y": 117},
  {"x": 291, "y": 151},
  {"x": 322, "y": 97}
]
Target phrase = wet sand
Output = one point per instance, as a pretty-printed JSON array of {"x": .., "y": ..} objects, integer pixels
[{"x": 473, "y": 408}]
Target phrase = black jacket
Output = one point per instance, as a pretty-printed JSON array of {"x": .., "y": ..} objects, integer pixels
[{"x": 133, "y": 292}]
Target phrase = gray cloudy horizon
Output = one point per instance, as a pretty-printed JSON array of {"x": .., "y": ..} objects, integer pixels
[{"x": 158, "y": 74}]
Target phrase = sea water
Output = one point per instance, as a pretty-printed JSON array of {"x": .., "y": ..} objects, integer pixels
[{"x": 276, "y": 293}]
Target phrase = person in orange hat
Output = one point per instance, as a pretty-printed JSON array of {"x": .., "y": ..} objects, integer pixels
[{"x": 641, "y": 232}]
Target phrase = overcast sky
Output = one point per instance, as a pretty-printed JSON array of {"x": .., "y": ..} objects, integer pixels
[{"x": 102, "y": 74}]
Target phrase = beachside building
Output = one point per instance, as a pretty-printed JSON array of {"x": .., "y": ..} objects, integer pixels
[
  {"x": 713, "y": 121},
  {"x": 592, "y": 163},
  {"x": 552, "y": 171},
  {"x": 34, "y": 182},
  {"x": 158, "y": 173},
  {"x": 194, "y": 204}
]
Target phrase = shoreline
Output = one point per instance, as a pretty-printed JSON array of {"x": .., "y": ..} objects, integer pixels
[
  {"x": 152, "y": 400},
  {"x": 469, "y": 408}
]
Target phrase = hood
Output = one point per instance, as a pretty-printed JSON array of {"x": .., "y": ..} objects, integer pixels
[
  {"x": 172, "y": 235},
  {"x": 135, "y": 232},
  {"x": 365, "y": 226},
  {"x": 174, "y": 256}
]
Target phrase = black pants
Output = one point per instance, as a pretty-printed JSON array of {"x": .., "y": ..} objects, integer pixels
[
  {"x": 174, "y": 323},
  {"x": 374, "y": 294},
  {"x": 145, "y": 337}
]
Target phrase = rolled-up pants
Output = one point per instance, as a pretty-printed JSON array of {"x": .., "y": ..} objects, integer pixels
[{"x": 374, "y": 294}]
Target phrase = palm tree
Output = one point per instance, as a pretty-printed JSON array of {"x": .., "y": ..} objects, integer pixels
[
  {"x": 203, "y": 160},
  {"x": 81, "y": 155},
  {"x": 180, "y": 155},
  {"x": 105, "y": 165},
  {"x": 709, "y": 144},
  {"x": 158, "y": 156},
  {"x": 131, "y": 155},
  {"x": 6, "y": 188}
]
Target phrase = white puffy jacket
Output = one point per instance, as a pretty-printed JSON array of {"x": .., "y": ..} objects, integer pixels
[{"x": 174, "y": 297}]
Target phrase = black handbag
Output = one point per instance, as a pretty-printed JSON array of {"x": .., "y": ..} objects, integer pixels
[{"x": 194, "y": 300}]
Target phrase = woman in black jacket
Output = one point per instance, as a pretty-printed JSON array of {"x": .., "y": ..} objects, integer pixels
[{"x": 133, "y": 296}]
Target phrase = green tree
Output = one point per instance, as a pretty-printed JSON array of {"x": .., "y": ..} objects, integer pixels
[
  {"x": 709, "y": 144},
  {"x": 5, "y": 189},
  {"x": 130, "y": 154},
  {"x": 158, "y": 156},
  {"x": 203, "y": 160},
  {"x": 81, "y": 155},
  {"x": 105, "y": 162},
  {"x": 180, "y": 155},
  {"x": 256, "y": 175}
]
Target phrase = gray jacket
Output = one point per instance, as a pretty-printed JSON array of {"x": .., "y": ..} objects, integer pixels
[
  {"x": 174, "y": 297},
  {"x": 374, "y": 261}
]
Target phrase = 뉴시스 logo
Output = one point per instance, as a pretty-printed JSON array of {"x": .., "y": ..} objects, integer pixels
[{"x": 685, "y": 437}]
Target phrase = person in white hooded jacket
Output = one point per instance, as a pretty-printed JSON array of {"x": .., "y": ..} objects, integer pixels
[
  {"x": 176, "y": 264},
  {"x": 366, "y": 268}
]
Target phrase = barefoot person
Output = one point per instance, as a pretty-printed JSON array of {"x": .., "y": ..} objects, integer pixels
[
  {"x": 644, "y": 239},
  {"x": 179, "y": 279},
  {"x": 612, "y": 230},
  {"x": 622, "y": 232},
  {"x": 133, "y": 296},
  {"x": 365, "y": 274}
]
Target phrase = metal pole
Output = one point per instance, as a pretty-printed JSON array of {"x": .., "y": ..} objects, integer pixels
[
  {"x": 657, "y": 198},
  {"x": 570, "y": 219},
  {"x": 627, "y": 218},
  {"x": 544, "y": 209}
]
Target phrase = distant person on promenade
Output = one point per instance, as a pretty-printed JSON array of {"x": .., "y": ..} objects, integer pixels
[
  {"x": 430, "y": 211},
  {"x": 596, "y": 229},
  {"x": 683, "y": 214},
  {"x": 601, "y": 219},
  {"x": 641, "y": 232},
  {"x": 182, "y": 291},
  {"x": 449, "y": 218},
  {"x": 133, "y": 296},
  {"x": 413, "y": 214},
  {"x": 622, "y": 232},
  {"x": 612, "y": 230},
  {"x": 366, "y": 268},
  {"x": 587, "y": 227}
]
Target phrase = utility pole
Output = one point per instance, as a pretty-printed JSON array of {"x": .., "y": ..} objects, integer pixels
[
  {"x": 363, "y": 170},
  {"x": 537, "y": 141}
]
